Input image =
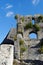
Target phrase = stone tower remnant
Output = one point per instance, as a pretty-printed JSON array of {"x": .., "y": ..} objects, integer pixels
[
  {"x": 24, "y": 28},
  {"x": 18, "y": 45}
]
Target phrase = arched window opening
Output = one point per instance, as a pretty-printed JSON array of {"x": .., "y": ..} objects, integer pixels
[
  {"x": 33, "y": 22},
  {"x": 33, "y": 36}
]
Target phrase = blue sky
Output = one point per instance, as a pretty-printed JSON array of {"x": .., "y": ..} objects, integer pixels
[{"x": 9, "y": 8}]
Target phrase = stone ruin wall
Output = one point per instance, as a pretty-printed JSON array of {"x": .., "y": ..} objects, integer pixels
[
  {"x": 28, "y": 19},
  {"x": 6, "y": 54},
  {"x": 30, "y": 53},
  {"x": 8, "y": 51}
]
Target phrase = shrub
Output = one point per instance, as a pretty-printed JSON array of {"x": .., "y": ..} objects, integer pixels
[
  {"x": 29, "y": 25},
  {"x": 16, "y": 16},
  {"x": 41, "y": 49},
  {"x": 37, "y": 27},
  {"x": 15, "y": 37},
  {"x": 40, "y": 19},
  {"x": 23, "y": 49},
  {"x": 22, "y": 19},
  {"x": 21, "y": 42}
]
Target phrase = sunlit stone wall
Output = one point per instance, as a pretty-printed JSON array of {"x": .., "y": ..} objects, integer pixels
[{"x": 6, "y": 54}]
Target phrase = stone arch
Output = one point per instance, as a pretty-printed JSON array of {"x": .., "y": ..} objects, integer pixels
[{"x": 33, "y": 35}]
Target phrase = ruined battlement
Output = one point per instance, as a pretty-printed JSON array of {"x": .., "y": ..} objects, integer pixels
[
  {"x": 28, "y": 18},
  {"x": 30, "y": 24}
]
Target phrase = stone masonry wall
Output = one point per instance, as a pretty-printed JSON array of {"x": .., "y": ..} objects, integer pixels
[
  {"x": 32, "y": 44},
  {"x": 6, "y": 54}
]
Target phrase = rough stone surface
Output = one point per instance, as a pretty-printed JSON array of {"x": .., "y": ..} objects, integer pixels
[
  {"x": 7, "y": 48},
  {"x": 10, "y": 46},
  {"x": 32, "y": 44},
  {"x": 6, "y": 54}
]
